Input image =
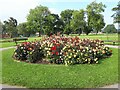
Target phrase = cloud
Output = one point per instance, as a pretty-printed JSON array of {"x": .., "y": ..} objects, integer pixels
[{"x": 16, "y": 8}]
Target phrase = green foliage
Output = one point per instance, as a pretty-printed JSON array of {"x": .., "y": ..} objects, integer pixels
[
  {"x": 36, "y": 18},
  {"x": 1, "y": 27},
  {"x": 87, "y": 29},
  {"x": 95, "y": 19},
  {"x": 23, "y": 29},
  {"x": 77, "y": 23},
  {"x": 66, "y": 16},
  {"x": 117, "y": 14},
  {"x": 10, "y": 26},
  {"x": 110, "y": 29},
  {"x": 52, "y": 24}
]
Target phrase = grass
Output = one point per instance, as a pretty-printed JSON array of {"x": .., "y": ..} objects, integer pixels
[
  {"x": 59, "y": 76},
  {"x": 99, "y": 36}
]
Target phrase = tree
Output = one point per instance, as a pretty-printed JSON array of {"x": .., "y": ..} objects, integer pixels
[
  {"x": 110, "y": 29},
  {"x": 95, "y": 18},
  {"x": 52, "y": 24},
  {"x": 87, "y": 29},
  {"x": 117, "y": 14},
  {"x": 1, "y": 27},
  {"x": 23, "y": 29},
  {"x": 66, "y": 16},
  {"x": 36, "y": 18},
  {"x": 77, "y": 23},
  {"x": 10, "y": 26}
]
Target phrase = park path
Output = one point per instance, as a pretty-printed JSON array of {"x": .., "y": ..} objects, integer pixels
[
  {"x": 9, "y": 86},
  {"x": 6, "y": 48},
  {"x": 112, "y": 86},
  {"x": 113, "y": 46}
]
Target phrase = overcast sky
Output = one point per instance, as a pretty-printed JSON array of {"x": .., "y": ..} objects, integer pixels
[{"x": 19, "y": 9}]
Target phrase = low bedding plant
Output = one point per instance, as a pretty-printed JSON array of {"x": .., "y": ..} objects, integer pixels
[{"x": 62, "y": 50}]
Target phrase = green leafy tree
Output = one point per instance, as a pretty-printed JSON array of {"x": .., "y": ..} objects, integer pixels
[
  {"x": 95, "y": 18},
  {"x": 110, "y": 29},
  {"x": 1, "y": 27},
  {"x": 117, "y": 14},
  {"x": 52, "y": 24},
  {"x": 23, "y": 29},
  {"x": 78, "y": 22},
  {"x": 87, "y": 29},
  {"x": 10, "y": 27},
  {"x": 66, "y": 16},
  {"x": 36, "y": 18}
]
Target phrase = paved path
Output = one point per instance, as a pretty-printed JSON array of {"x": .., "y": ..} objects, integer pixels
[
  {"x": 112, "y": 86},
  {"x": 6, "y": 48},
  {"x": 9, "y": 86},
  {"x": 113, "y": 46}
]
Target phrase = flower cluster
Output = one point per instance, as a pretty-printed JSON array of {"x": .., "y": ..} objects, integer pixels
[
  {"x": 29, "y": 52},
  {"x": 63, "y": 50},
  {"x": 73, "y": 50}
]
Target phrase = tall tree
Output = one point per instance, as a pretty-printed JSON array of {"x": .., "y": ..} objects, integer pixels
[
  {"x": 1, "y": 27},
  {"x": 95, "y": 18},
  {"x": 23, "y": 29},
  {"x": 66, "y": 16},
  {"x": 78, "y": 21},
  {"x": 52, "y": 24},
  {"x": 87, "y": 29},
  {"x": 10, "y": 26},
  {"x": 36, "y": 18},
  {"x": 117, "y": 14}
]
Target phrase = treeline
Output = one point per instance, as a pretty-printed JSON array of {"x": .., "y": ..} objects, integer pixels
[{"x": 41, "y": 20}]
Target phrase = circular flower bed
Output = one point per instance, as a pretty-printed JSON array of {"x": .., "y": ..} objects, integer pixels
[{"x": 62, "y": 50}]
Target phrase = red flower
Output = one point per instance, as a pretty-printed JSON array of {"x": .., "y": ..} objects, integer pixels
[
  {"x": 56, "y": 53},
  {"x": 53, "y": 52},
  {"x": 53, "y": 48}
]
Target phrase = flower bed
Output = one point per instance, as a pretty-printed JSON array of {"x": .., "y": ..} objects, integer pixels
[{"x": 62, "y": 50}]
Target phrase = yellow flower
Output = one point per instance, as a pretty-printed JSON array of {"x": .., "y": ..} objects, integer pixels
[
  {"x": 96, "y": 59},
  {"x": 74, "y": 55}
]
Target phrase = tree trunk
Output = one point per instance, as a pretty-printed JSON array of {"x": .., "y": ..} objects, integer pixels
[
  {"x": 87, "y": 33},
  {"x": 39, "y": 34},
  {"x": 96, "y": 32}
]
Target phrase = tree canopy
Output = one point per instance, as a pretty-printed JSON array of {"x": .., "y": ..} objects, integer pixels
[
  {"x": 117, "y": 14},
  {"x": 95, "y": 18},
  {"x": 10, "y": 26},
  {"x": 36, "y": 17},
  {"x": 41, "y": 20},
  {"x": 110, "y": 29}
]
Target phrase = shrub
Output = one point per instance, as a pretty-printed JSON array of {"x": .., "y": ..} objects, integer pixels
[
  {"x": 63, "y": 50},
  {"x": 29, "y": 52}
]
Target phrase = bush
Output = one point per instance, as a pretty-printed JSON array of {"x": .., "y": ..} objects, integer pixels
[
  {"x": 63, "y": 50},
  {"x": 29, "y": 52}
]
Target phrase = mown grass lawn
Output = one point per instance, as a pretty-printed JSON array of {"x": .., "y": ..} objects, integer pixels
[
  {"x": 59, "y": 76},
  {"x": 98, "y": 36}
]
